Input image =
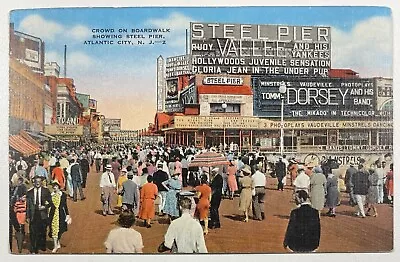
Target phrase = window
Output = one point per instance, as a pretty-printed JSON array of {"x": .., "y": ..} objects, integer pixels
[{"x": 230, "y": 108}]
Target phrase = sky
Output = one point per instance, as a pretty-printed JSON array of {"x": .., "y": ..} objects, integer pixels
[{"x": 122, "y": 78}]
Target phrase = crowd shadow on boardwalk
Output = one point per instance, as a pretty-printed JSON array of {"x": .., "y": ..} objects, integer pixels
[
  {"x": 235, "y": 217},
  {"x": 282, "y": 216}
]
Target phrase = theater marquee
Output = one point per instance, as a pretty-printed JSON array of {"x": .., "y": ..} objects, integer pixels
[
  {"x": 313, "y": 98},
  {"x": 212, "y": 122},
  {"x": 260, "y": 49}
]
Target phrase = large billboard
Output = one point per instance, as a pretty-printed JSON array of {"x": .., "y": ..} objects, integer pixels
[
  {"x": 83, "y": 99},
  {"x": 177, "y": 66},
  {"x": 111, "y": 124},
  {"x": 260, "y": 49},
  {"x": 316, "y": 98}
]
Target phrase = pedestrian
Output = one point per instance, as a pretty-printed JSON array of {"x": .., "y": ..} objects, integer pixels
[
  {"x": 246, "y": 194},
  {"x": 158, "y": 178},
  {"x": 259, "y": 184},
  {"x": 373, "y": 193},
  {"x": 232, "y": 184},
  {"x": 115, "y": 168},
  {"x": 349, "y": 184},
  {"x": 185, "y": 171},
  {"x": 317, "y": 188},
  {"x": 97, "y": 161},
  {"x": 22, "y": 163},
  {"x": 148, "y": 194},
  {"x": 76, "y": 177},
  {"x": 380, "y": 173},
  {"x": 42, "y": 172},
  {"x": 108, "y": 188},
  {"x": 185, "y": 234},
  {"x": 171, "y": 199},
  {"x": 360, "y": 187},
  {"x": 38, "y": 200},
  {"x": 85, "y": 168},
  {"x": 332, "y": 193},
  {"x": 124, "y": 239},
  {"x": 121, "y": 179},
  {"x": 203, "y": 205},
  {"x": 389, "y": 184},
  {"x": 130, "y": 195},
  {"x": 280, "y": 170},
  {"x": 302, "y": 181},
  {"x": 58, "y": 215},
  {"x": 304, "y": 229},
  {"x": 18, "y": 212},
  {"x": 216, "y": 196},
  {"x": 293, "y": 165},
  {"x": 58, "y": 174}
]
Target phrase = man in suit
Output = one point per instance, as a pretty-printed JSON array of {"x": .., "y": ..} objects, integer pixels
[
  {"x": 304, "y": 228},
  {"x": 216, "y": 187},
  {"x": 280, "y": 171},
  {"x": 38, "y": 202},
  {"x": 76, "y": 175}
]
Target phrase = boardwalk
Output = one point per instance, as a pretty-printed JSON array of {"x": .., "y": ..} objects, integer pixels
[{"x": 345, "y": 233}]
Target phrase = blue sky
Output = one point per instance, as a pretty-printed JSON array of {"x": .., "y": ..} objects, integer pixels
[{"x": 361, "y": 40}]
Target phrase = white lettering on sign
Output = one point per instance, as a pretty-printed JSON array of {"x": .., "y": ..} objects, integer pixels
[
  {"x": 271, "y": 96},
  {"x": 316, "y": 96},
  {"x": 214, "y": 80},
  {"x": 67, "y": 121}
]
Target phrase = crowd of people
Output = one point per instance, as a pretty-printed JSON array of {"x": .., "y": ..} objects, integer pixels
[{"x": 159, "y": 181}]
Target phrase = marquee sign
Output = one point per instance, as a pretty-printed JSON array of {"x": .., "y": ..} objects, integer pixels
[
  {"x": 111, "y": 124},
  {"x": 260, "y": 49},
  {"x": 220, "y": 80},
  {"x": 212, "y": 122},
  {"x": 315, "y": 98},
  {"x": 177, "y": 66},
  {"x": 64, "y": 130}
]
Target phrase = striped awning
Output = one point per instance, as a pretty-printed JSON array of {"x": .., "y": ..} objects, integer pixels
[
  {"x": 208, "y": 159},
  {"x": 22, "y": 145}
]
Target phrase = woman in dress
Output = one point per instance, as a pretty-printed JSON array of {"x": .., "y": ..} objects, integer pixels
[
  {"x": 58, "y": 215},
  {"x": 317, "y": 189},
  {"x": 232, "y": 169},
  {"x": 58, "y": 174},
  {"x": 124, "y": 239},
  {"x": 148, "y": 194},
  {"x": 246, "y": 194},
  {"x": 373, "y": 193},
  {"x": 332, "y": 193},
  {"x": 389, "y": 184},
  {"x": 121, "y": 179},
  {"x": 203, "y": 206},
  {"x": 171, "y": 201}
]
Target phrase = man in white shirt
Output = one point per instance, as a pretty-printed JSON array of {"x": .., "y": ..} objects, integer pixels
[
  {"x": 381, "y": 174},
  {"x": 98, "y": 158},
  {"x": 108, "y": 188},
  {"x": 185, "y": 231},
  {"x": 259, "y": 183},
  {"x": 302, "y": 181},
  {"x": 22, "y": 163}
]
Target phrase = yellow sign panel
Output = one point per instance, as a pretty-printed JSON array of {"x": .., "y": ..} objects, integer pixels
[
  {"x": 210, "y": 122},
  {"x": 64, "y": 130}
]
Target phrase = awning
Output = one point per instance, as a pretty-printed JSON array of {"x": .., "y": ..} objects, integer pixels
[
  {"x": 38, "y": 136},
  {"x": 22, "y": 145},
  {"x": 48, "y": 136}
]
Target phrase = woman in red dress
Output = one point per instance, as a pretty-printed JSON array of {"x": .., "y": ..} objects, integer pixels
[
  {"x": 148, "y": 194},
  {"x": 203, "y": 206},
  {"x": 389, "y": 183},
  {"x": 232, "y": 184}
]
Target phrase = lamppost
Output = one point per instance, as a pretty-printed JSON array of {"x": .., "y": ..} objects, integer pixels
[
  {"x": 282, "y": 91},
  {"x": 224, "y": 106}
]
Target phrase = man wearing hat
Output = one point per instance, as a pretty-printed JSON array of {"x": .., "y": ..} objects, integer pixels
[
  {"x": 108, "y": 187},
  {"x": 216, "y": 196},
  {"x": 380, "y": 172},
  {"x": 85, "y": 167},
  {"x": 159, "y": 177},
  {"x": 280, "y": 171},
  {"x": 349, "y": 185},
  {"x": 38, "y": 201},
  {"x": 130, "y": 195},
  {"x": 302, "y": 181}
]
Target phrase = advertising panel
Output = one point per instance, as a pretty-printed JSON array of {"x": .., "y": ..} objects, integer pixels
[
  {"x": 260, "y": 49},
  {"x": 177, "y": 66},
  {"x": 83, "y": 99},
  {"x": 211, "y": 122},
  {"x": 64, "y": 130},
  {"x": 172, "y": 103},
  {"x": 313, "y": 98},
  {"x": 111, "y": 124},
  {"x": 92, "y": 104}
]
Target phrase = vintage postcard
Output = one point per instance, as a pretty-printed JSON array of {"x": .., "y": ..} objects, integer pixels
[{"x": 229, "y": 129}]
